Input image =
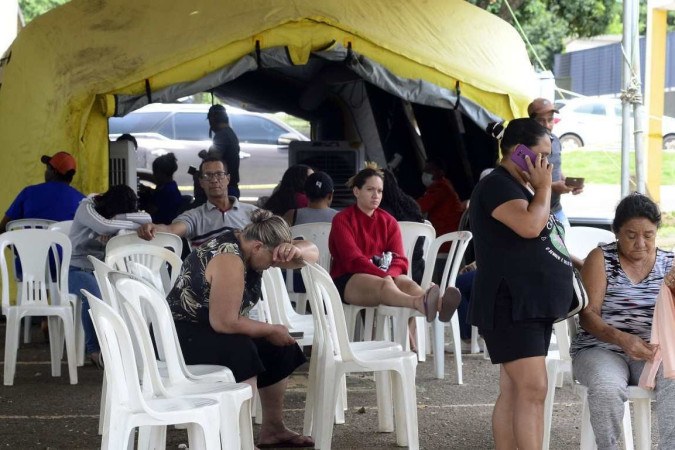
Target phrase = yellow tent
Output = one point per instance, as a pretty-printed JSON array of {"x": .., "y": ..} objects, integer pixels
[{"x": 72, "y": 68}]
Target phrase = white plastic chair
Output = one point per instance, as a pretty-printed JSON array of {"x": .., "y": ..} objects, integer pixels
[
  {"x": 410, "y": 233},
  {"x": 164, "y": 240},
  {"x": 159, "y": 260},
  {"x": 24, "y": 224},
  {"x": 459, "y": 241},
  {"x": 196, "y": 372},
  {"x": 317, "y": 233},
  {"x": 64, "y": 227},
  {"x": 281, "y": 309},
  {"x": 562, "y": 365},
  {"x": 581, "y": 240},
  {"x": 129, "y": 408},
  {"x": 234, "y": 398},
  {"x": 335, "y": 356},
  {"x": 33, "y": 247}
]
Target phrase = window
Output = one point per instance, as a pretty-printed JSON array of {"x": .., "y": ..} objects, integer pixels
[
  {"x": 255, "y": 129},
  {"x": 597, "y": 109},
  {"x": 191, "y": 127},
  {"x": 135, "y": 123}
]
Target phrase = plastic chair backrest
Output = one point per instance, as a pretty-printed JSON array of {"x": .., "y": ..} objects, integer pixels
[
  {"x": 101, "y": 271},
  {"x": 153, "y": 257},
  {"x": 276, "y": 295},
  {"x": 317, "y": 233},
  {"x": 121, "y": 370},
  {"x": 164, "y": 240},
  {"x": 149, "y": 302},
  {"x": 460, "y": 240},
  {"x": 329, "y": 317},
  {"x": 32, "y": 247},
  {"x": 410, "y": 233},
  {"x": 63, "y": 226},
  {"x": 581, "y": 240},
  {"x": 22, "y": 224}
]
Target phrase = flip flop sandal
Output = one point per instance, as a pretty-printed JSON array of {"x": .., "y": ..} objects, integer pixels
[
  {"x": 431, "y": 297},
  {"x": 449, "y": 304}
]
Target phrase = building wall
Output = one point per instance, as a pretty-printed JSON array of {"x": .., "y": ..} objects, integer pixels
[{"x": 598, "y": 71}]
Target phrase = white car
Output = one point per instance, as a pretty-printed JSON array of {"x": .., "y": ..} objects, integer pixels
[
  {"x": 180, "y": 128},
  {"x": 596, "y": 123}
]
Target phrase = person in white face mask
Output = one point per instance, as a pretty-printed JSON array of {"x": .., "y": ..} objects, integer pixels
[{"x": 440, "y": 202}]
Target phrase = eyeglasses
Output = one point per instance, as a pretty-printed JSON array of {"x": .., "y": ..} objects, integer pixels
[{"x": 213, "y": 176}]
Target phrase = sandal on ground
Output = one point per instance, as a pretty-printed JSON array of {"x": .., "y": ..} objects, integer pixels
[
  {"x": 96, "y": 359},
  {"x": 430, "y": 300},
  {"x": 449, "y": 304}
]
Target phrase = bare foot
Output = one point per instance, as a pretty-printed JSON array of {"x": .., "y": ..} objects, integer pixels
[{"x": 283, "y": 439}]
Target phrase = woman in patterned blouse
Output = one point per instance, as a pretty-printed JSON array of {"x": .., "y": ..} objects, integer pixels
[{"x": 219, "y": 283}]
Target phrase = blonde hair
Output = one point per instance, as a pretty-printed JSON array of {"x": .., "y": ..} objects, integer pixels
[
  {"x": 371, "y": 170},
  {"x": 267, "y": 228}
]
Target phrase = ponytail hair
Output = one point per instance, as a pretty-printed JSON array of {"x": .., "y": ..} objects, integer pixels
[
  {"x": 267, "y": 228},
  {"x": 360, "y": 178},
  {"x": 524, "y": 131}
]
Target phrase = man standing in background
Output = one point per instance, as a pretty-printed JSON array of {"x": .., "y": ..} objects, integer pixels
[{"x": 542, "y": 111}]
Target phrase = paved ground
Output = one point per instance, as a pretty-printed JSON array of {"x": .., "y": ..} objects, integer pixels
[{"x": 41, "y": 412}]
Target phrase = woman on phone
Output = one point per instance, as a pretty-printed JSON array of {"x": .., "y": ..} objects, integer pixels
[{"x": 525, "y": 278}]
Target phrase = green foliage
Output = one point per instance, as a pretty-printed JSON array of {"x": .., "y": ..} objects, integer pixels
[
  {"x": 547, "y": 23},
  {"x": 604, "y": 167},
  {"x": 33, "y": 8}
]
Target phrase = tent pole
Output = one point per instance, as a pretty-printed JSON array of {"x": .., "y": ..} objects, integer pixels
[{"x": 625, "y": 110}]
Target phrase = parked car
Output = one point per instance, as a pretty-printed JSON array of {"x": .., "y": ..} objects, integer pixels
[
  {"x": 596, "y": 122},
  {"x": 161, "y": 128}
]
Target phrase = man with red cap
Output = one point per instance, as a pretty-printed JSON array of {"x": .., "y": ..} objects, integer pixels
[
  {"x": 542, "y": 111},
  {"x": 54, "y": 199}
]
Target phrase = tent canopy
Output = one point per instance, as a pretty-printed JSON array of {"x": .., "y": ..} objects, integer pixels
[{"x": 72, "y": 68}]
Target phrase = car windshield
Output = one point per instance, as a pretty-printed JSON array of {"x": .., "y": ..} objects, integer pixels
[{"x": 135, "y": 123}]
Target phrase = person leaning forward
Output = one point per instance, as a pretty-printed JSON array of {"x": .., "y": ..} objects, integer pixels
[{"x": 219, "y": 213}]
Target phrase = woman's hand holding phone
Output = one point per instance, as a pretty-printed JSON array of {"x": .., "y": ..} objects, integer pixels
[{"x": 540, "y": 172}]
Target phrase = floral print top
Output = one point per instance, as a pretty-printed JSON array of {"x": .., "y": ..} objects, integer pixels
[{"x": 189, "y": 298}]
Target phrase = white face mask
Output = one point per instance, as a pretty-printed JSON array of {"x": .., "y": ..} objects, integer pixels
[{"x": 427, "y": 179}]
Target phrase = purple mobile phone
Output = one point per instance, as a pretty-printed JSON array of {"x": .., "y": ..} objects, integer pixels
[{"x": 518, "y": 156}]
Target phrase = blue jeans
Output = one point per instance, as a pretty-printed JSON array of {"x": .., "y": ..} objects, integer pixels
[
  {"x": 84, "y": 279},
  {"x": 464, "y": 283}
]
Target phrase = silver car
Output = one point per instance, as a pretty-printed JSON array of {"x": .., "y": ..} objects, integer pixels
[
  {"x": 596, "y": 123},
  {"x": 183, "y": 129}
]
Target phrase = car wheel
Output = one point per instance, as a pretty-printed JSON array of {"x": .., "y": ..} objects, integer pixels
[
  {"x": 669, "y": 142},
  {"x": 571, "y": 142}
]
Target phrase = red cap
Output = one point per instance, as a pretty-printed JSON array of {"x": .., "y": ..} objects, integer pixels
[{"x": 61, "y": 162}]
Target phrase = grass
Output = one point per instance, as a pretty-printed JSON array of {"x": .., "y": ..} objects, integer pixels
[{"x": 604, "y": 167}]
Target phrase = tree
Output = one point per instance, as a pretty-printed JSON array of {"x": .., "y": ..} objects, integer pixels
[
  {"x": 33, "y": 8},
  {"x": 547, "y": 23}
]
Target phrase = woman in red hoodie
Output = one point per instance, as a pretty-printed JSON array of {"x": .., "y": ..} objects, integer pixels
[{"x": 369, "y": 264}]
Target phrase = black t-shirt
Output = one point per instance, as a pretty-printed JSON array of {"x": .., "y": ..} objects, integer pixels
[{"x": 537, "y": 272}]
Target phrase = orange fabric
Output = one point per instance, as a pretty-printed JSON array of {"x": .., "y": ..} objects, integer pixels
[{"x": 663, "y": 335}]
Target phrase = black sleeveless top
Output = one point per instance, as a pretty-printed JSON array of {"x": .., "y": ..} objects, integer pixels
[{"x": 189, "y": 298}]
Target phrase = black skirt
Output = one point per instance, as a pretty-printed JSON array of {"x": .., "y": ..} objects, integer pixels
[{"x": 245, "y": 356}]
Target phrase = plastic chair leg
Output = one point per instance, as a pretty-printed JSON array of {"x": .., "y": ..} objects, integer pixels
[
  {"x": 385, "y": 407},
  {"x": 438, "y": 330},
  {"x": 643, "y": 423},
  {"x": 627, "y": 428},
  {"x": 551, "y": 371},
  {"x": 421, "y": 336},
  {"x": 55, "y": 345},
  {"x": 11, "y": 347},
  {"x": 27, "y": 324},
  {"x": 475, "y": 345},
  {"x": 368, "y": 326},
  {"x": 457, "y": 340},
  {"x": 103, "y": 416}
]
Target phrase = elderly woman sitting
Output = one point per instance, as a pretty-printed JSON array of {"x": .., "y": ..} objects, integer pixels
[{"x": 623, "y": 280}]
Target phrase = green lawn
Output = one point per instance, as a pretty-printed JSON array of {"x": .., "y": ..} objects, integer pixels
[{"x": 604, "y": 167}]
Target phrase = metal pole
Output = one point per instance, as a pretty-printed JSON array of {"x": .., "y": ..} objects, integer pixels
[
  {"x": 625, "y": 110},
  {"x": 636, "y": 85}
]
